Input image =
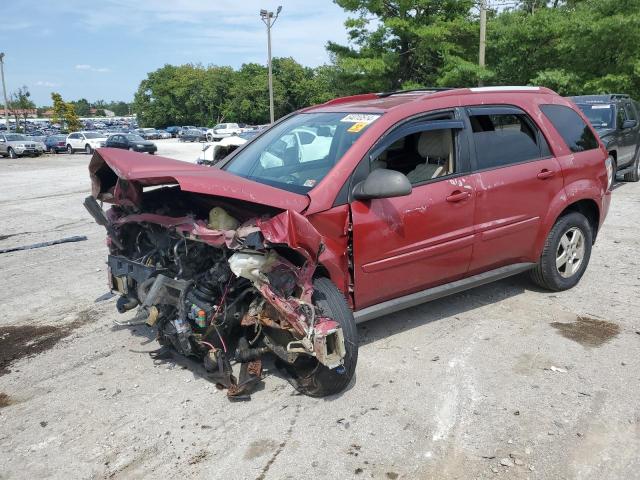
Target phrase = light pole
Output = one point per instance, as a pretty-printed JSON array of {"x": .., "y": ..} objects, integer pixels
[
  {"x": 269, "y": 18},
  {"x": 4, "y": 91}
]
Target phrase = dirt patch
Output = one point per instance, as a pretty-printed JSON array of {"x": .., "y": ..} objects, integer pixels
[
  {"x": 588, "y": 332},
  {"x": 19, "y": 341},
  {"x": 5, "y": 400}
]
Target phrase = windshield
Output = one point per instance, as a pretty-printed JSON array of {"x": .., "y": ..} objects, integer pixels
[
  {"x": 135, "y": 138},
  {"x": 93, "y": 135},
  {"x": 600, "y": 115},
  {"x": 15, "y": 138},
  {"x": 297, "y": 154}
]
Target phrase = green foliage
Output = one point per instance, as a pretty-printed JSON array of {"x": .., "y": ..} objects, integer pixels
[
  {"x": 19, "y": 102},
  {"x": 198, "y": 95},
  {"x": 571, "y": 46},
  {"x": 59, "y": 109},
  {"x": 71, "y": 118}
]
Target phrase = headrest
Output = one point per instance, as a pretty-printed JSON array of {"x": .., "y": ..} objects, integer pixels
[{"x": 435, "y": 143}]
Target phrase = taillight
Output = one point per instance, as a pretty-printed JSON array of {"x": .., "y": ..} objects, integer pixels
[{"x": 61, "y": 144}]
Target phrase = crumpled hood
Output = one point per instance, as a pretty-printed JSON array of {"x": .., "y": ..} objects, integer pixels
[{"x": 139, "y": 170}]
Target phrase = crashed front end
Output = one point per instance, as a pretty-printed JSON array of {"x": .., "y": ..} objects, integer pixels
[{"x": 222, "y": 280}]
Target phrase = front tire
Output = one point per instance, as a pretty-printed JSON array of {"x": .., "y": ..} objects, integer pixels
[
  {"x": 311, "y": 377},
  {"x": 12, "y": 153},
  {"x": 69, "y": 149},
  {"x": 634, "y": 174},
  {"x": 566, "y": 253}
]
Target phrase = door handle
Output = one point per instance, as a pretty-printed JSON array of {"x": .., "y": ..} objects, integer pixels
[
  {"x": 458, "y": 196},
  {"x": 544, "y": 174}
]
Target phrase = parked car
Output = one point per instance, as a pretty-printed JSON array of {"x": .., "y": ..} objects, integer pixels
[
  {"x": 147, "y": 133},
  {"x": 418, "y": 195},
  {"x": 173, "y": 130},
  {"x": 55, "y": 143},
  {"x": 192, "y": 135},
  {"x": 131, "y": 141},
  {"x": 616, "y": 119},
  {"x": 212, "y": 153},
  {"x": 163, "y": 134},
  {"x": 39, "y": 141},
  {"x": 14, "y": 145},
  {"x": 87, "y": 141},
  {"x": 223, "y": 130}
]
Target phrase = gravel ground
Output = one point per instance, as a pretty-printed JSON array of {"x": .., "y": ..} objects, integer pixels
[{"x": 503, "y": 381}]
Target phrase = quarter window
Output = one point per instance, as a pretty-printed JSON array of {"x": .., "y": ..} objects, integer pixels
[
  {"x": 573, "y": 130},
  {"x": 503, "y": 139}
]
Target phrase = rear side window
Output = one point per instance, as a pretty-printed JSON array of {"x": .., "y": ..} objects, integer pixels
[
  {"x": 503, "y": 139},
  {"x": 573, "y": 130}
]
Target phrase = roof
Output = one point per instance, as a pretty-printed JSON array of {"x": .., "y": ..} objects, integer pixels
[{"x": 383, "y": 102}]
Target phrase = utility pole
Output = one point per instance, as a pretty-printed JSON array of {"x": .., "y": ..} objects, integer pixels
[
  {"x": 4, "y": 91},
  {"x": 269, "y": 18},
  {"x": 483, "y": 35}
]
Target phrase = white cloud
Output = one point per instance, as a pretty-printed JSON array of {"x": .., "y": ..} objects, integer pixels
[
  {"x": 47, "y": 84},
  {"x": 85, "y": 67}
]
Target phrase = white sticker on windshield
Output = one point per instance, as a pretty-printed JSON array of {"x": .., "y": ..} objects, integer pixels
[
  {"x": 365, "y": 118},
  {"x": 600, "y": 107}
]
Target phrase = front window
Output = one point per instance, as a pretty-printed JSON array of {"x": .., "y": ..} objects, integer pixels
[
  {"x": 134, "y": 138},
  {"x": 296, "y": 154},
  {"x": 600, "y": 115},
  {"x": 91, "y": 135},
  {"x": 15, "y": 138}
]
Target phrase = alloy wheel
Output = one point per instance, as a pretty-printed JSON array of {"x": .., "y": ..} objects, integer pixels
[{"x": 570, "y": 252}]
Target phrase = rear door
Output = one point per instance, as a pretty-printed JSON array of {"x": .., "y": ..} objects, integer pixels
[
  {"x": 628, "y": 135},
  {"x": 516, "y": 177},
  {"x": 407, "y": 244}
]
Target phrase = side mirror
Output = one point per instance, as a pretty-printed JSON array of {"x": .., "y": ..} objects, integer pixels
[
  {"x": 629, "y": 124},
  {"x": 382, "y": 183},
  {"x": 2, "y": 140}
]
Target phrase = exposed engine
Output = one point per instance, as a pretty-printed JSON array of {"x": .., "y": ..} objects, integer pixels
[{"x": 219, "y": 289}]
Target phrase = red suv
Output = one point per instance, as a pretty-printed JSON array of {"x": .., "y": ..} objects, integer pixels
[{"x": 347, "y": 211}]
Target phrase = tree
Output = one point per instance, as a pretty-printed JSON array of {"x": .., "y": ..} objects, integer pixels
[
  {"x": 19, "y": 105},
  {"x": 59, "y": 108},
  {"x": 82, "y": 107},
  {"x": 71, "y": 119},
  {"x": 400, "y": 43}
]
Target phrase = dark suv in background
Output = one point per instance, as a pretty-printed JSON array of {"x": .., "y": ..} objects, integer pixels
[{"x": 616, "y": 119}]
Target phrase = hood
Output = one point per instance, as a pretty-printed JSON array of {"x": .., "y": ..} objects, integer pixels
[
  {"x": 603, "y": 132},
  {"x": 110, "y": 164}
]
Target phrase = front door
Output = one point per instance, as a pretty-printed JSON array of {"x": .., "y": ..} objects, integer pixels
[
  {"x": 517, "y": 178},
  {"x": 406, "y": 244}
]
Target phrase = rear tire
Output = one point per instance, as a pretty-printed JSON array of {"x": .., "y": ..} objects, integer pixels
[
  {"x": 634, "y": 174},
  {"x": 87, "y": 149},
  {"x": 555, "y": 272},
  {"x": 311, "y": 377},
  {"x": 69, "y": 149}
]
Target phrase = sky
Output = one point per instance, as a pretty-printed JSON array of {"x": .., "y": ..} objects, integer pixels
[{"x": 102, "y": 49}]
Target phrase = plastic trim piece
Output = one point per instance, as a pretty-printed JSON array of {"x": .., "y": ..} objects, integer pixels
[{"x": 397, "y": 304}]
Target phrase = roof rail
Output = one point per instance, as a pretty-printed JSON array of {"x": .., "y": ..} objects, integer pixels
[
  {"x": 417, "y": 90},
  {"x": 352, "y": 98},
  {"x": 619, "y": 95}
]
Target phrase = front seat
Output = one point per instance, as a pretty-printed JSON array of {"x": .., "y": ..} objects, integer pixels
[{"x": 435, "y": 147}]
